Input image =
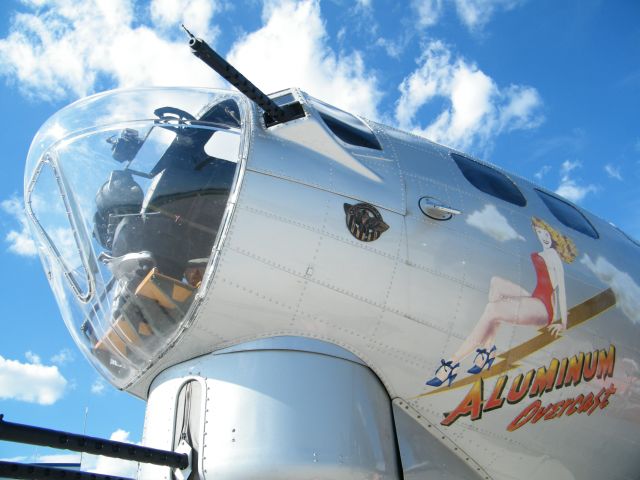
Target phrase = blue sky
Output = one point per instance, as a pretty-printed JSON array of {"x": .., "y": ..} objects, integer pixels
[{"x": 549, "y": 90}]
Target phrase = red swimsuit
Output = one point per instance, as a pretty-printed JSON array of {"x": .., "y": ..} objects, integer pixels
[{"x": 544, "y": 289}]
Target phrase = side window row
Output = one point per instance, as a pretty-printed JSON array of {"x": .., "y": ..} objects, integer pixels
[
  {"x": 497, "y": 184},
  {"x": 347, "y": 127}
]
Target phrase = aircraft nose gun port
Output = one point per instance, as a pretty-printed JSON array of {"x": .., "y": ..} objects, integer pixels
[{"x": 44, "y": 437}]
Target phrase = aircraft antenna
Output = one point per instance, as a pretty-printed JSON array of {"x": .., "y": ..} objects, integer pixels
[{"x": 276, "y": 113}]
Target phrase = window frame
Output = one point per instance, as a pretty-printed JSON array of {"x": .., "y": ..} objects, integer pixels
[
  {"x": 326, "y": 115},
  {"x": 543, "y": 195},
  {"x": 515, "y": 191},
  {"x": 49, "y": 160}
]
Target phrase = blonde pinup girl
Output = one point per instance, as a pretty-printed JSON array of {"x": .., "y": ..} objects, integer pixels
[{"x": 510, "y": 303}]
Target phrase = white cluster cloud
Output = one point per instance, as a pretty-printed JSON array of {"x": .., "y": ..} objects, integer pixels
[
  {"x": 196, "y": 15},
  {"x": 568, "y": 166},
  {"x": 478, "y": 109},
  {"x": 33, "y": 357},
  {"x": 569, "y": 187},
  {"x": 625, "y": 288},
  {"x": 394, "y": 48},
  {"x": 475, "y": 14},
  {"x": 542, "y": 172},
  {"x": 65, "y": 48},
  {"x": 98, "y": 387},
  {"x": 63, "y": 357},
  {"x": 492, "y": 223},
  {"x": 429, "y": 11},
  {"x": 30, "y": 382},
  {"x": 20, "y": 241},
  {"x": 291, "y": 49},
  {"x": 613, "y": 171}
]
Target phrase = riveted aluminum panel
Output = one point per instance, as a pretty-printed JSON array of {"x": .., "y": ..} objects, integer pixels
[
  {"x": 307, "y": 152},
  {"x": 278, "y": 414}
]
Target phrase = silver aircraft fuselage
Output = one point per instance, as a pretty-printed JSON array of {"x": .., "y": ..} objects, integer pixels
[
  {"x": 289, "y": 266},
  {"x": 412, "y": 261}
]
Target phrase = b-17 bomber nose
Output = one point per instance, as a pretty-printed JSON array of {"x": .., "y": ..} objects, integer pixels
[{"x": 126, "y": 193}]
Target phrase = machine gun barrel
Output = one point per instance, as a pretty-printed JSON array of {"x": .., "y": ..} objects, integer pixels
[
  {"x": 42, "y": 472},
  {"x": 208, "y": 55},
  {"x": 16, "y": 432},
  {"x": 204, "y": 52}
]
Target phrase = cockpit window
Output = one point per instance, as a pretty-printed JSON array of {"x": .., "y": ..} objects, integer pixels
[
  {"x": 126, "y": 218},
  {"x": 567, "y": 214},
  {"x": 55, "y": 224},
  {"x": 346, "y": 127},
  {"x": 489, "y": 180}
]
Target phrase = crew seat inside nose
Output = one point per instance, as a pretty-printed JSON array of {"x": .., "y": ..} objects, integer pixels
[
  {"x": 178, "y": 218},
  {"x": 157, "y": 244}
]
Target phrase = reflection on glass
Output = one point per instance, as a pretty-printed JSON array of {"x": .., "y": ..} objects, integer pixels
[
  {"x": 48, "y": 205},
  {"x": 127, "y": 219}
]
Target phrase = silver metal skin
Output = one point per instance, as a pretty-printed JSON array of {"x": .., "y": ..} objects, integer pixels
[
  {"x": 260, "y": 424},
  {"x": 289, "y": 266},
  {"x": 424, "y": 456},
  {"x": 286, "y": 265}
]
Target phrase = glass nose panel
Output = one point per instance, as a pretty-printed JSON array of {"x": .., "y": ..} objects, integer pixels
[
  {"x": 54, "y": 224},
  {"x": 127, "y": 217}
]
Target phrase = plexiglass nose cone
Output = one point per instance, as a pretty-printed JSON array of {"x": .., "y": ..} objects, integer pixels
[{"x": 125, "y": 192}]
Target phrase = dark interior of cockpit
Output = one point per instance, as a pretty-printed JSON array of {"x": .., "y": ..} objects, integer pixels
[{"x": 157, "y": 243}]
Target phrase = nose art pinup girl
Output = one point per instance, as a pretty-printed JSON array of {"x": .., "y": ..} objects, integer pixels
[{"x": 511, "y": 303}]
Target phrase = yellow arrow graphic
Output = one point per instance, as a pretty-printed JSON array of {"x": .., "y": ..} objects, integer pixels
[{"x": 577, "y": 315}]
